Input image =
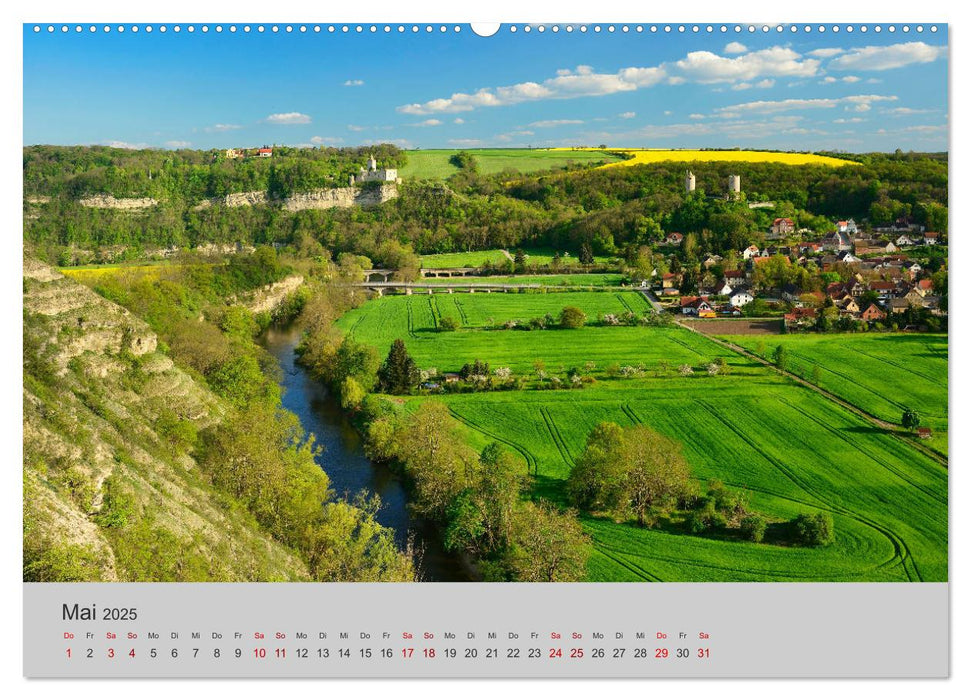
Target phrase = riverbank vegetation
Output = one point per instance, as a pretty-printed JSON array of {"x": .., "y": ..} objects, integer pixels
[{"x": 251, "y": 455}]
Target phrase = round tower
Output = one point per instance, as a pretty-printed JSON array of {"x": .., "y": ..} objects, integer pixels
[
  {"x": 372, "y": 164},
  {"x": 734, "y": 184},
  {"x": 689, "y": 182}
]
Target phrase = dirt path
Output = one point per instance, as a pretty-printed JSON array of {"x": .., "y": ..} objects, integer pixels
[{"x": 891, "y": 428}]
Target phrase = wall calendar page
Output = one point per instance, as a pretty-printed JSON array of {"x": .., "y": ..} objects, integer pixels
[{"x": 438, "y": 350}]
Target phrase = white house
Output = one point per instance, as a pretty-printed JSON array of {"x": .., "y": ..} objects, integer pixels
[
  {"x": 930, "y": 238},
  {"x": 751, "y": 252},
  {"x": 904, "y": 240},
  {"x": 373, "y": 174},
  {"x": 848, "y": 226},
  {"x": 740, "y": 297}
]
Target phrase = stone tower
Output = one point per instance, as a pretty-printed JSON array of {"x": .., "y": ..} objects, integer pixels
[
  {"x": 689, "y": 182},
  {"x": 734, "y": 185}
]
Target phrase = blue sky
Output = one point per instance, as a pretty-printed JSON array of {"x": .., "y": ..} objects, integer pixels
[{"x": 802, "y": 91}]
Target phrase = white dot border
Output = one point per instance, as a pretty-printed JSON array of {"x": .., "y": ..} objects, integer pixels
[{"x": 514, "y": 28}]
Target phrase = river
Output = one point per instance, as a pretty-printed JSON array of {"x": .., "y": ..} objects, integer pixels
[{"x": 343, "y": 458}]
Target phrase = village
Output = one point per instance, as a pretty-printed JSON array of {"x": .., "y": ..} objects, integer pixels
[{"x": 851, "y": 278}]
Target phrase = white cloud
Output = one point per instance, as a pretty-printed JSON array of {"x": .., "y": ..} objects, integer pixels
[
  {"x": 178, "y": 144},
  {"x": 222, "y": 127},
  {"x": 696, "y": 116},
  {"x": 777, "y": 61},
  {"x": 735, "y": 47},
  {"x": 855, "y": 103},
  {"x": 551, "y": 123},
  {"x": 428, "y": 122},
  {"x": 698, "y": 66},
  {"x": 458, "y": 120},
  {"x": 907, "y": 111},
  {"x": 829, "y": 79},
  {"x": 849, "y": 120},
  {"x": 126, "y": 144},
  {"x": 288, "y": 118},
  {"x": 356, "y": 127},
  {"x": 825, "y": 53},
  {"x": 762, "y": 84},
  {"x": 326, "y": 140},
  {"x": 887, "y": 57},
  {"x": 627, "y": 115},
  {"x": 353, "y": 83}
]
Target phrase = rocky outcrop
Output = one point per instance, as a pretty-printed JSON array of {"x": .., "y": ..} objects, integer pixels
[
  {"x": 106, "y": 201},
  {"x": 341, "y": 198},
  {"x": 108, "y": 453},
  {"x": 271, "y": 296},
  {"x": 336, "y": 198},
  {"x": 84, "y": 322}
]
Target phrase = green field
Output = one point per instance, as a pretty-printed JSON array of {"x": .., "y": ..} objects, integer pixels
[
  {"x": 434, "y": 165},
  {"x": 880, "y": 373},
  {"x": 792, "y": 450},
  {"x": 578, "y": 280},
  {"x": 476, "y": 258}
]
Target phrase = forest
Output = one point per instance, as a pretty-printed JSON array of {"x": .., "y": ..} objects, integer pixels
[{"x": 609, "y": 209}]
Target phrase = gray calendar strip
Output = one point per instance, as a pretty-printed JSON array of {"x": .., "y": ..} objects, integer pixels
[{"x": 486, "y": 630}]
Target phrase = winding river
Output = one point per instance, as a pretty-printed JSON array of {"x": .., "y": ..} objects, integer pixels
[{"x": 349, "y": 469}]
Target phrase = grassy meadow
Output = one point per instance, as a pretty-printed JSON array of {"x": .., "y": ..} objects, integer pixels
[
  {"x": 434, "y": 165},
  {"x": 790, "y": 449},
  {"x": 880, "y": 373}
]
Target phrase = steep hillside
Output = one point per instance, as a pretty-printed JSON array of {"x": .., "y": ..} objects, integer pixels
[{"x": 111, "y": 490}]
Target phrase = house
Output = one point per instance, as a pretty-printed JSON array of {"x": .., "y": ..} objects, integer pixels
[
  {"x": 873, "y": 313},
  {"x": 808, "y": 248},
  {"x": 782, "y": 227},
  {"x": 848, "y": 305},
  {"x": 451, "y": 377},
  {"x": 913, "y": 268},
  {"x": 670, "y": 280},
  {"x": 930, "y": 238},
  {"x": 847, "y": 257},
  {"x": 839, "y": 290},
  {"x": 924, "y": 433},
  {"x": 740, "y": 297},
  {"x": 735, "y": 277},
  {"x": 838, "y": 241},
  {"x": 674, "y": 239},
  {"x": 898, "y": 306},
  {"x": 264, "y": 152},
  {"x": 926, "y": 284},
  {"x": 711, "y": 260},
  {"x": 915, "y": 296},
  {"x": 800, "y": 317},
  {"x": 751, "y": 252},
  {"x": 884, "y": 290},
  {"x": 791, "y": 292},
  {"x": 234, "y": 153},
  {"x": 697, "y": 306},
  {"x": 904, "y": 240},
  {"x": 848, "y": 226},
  {"x": 724, "y": 290}
]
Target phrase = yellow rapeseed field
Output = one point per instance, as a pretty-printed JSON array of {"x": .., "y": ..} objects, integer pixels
[{"x": 641, "y": 156}]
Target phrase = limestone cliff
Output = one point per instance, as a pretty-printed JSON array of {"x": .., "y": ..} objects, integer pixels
[
  {"x": 111, "y": 489},
  {"x": 106, "y": 201}
]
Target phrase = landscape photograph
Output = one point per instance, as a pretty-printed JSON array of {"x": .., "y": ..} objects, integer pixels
[{"x": 403, "y": 303}]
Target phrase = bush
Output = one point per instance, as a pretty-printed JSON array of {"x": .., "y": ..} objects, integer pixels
[
  {"x": 814, "y": 530},
  {"x": 753, "y": 528},
  {"x": 448, "y": 323},
  {"x": 572, "y": 317}
]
